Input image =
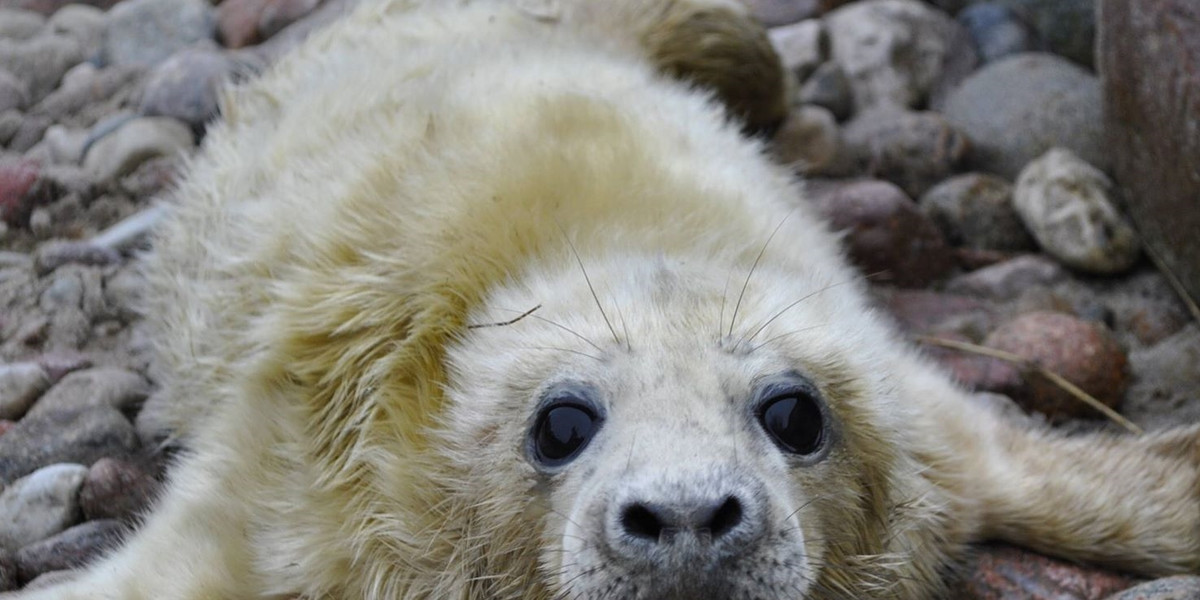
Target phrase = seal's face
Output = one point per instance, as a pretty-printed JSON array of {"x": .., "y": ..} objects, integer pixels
[{"x": 676, "y": 454}]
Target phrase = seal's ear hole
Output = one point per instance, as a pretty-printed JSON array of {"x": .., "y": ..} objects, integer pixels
[
  {"x": 795, "y": 419},
  {"x": 563, "y": 428}
]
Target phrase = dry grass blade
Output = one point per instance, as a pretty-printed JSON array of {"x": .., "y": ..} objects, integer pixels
[{"x": 1024, "y": 364}]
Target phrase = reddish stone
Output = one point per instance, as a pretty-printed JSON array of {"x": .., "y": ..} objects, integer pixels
[
  {"x": 17, "y": 179},
  {"x": 1006, "y": 573},
  {"x": 974, "y": 371},
  {"x": 237, "y": 22},
  {"x": 924, "y": 311},
  {"x": 1082, "y": 352},
  {"x": 1149, "y": 64},
  {"x": 6, "y": 425},
  {"x": 59, "y": 363}
]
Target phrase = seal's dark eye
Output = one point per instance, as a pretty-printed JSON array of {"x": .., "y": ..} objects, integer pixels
[
  {"x": 795, "y": 421},
  {"x": 562, "y": 430}
]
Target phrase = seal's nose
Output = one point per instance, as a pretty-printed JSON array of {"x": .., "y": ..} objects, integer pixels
[{"x": 704, "y": 518}]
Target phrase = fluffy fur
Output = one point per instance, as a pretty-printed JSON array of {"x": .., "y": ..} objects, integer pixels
[{"x": 419, "y": 169}]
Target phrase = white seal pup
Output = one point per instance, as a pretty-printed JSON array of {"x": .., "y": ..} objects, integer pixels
[{"x": 470, "y": 300}]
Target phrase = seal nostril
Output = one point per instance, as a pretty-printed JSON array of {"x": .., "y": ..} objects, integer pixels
[
  {"x": 641, "y": 522},
  {"x": 726, "y": 517}
]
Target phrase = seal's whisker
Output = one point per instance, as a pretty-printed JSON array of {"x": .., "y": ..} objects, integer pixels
[
  {"x": 591, "y": 288},
  {"x": 750, "y": 273}
]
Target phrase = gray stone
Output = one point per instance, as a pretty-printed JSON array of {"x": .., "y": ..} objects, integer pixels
[
  {"x": 40, "y": 505},
  {"x": 774, "y": 13},
  {"x": 914, "y": 150},
  {"x": 17, "y": 24},
  {"x": 135, "y": 142},
  {"x": 1065, "y": 204},
  {"x": 75, "y": 436},
  {"x": 29, "y": 132},
  {"x": 828, "y": 88},
  {"x": 1067, "y": 26},
  {"x": 8, "y": 572},
  {"x": 65, "y": 144},
  {"x": 82, "y": 22},
  {"x": 185, "y": 86},
  {"x": 999, "y": 31},
  {"x": 808, "y": 140},
  {"x": 10, "y": 123},
  {"x": 20, "y": 385},
  {"x": 898, "y": 52},
  {"x": 1016, "y": 109},
  {"x": 976, "y": 210},
  {"x": 116, "y": 489},
  {"x": 1009, "y": 279},
  {"x": 146, "y": 32},
  {"x": 85, "y": 89},
  {"x": 1179, "y": 587},
  {"x": 54, "y": 254},
  {"x": 14, "y": 94},
  {"x": 40, "y": 62},
  {"x": 72, "y": 548},
  {"x": 802, "y": 46},
  {"x": 102, "y": 386}
]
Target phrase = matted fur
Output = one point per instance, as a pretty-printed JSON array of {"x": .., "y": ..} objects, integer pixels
[{"x": 422, "y": 167}]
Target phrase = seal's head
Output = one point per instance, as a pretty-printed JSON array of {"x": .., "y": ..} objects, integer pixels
[{"x": 662, "y": 447}]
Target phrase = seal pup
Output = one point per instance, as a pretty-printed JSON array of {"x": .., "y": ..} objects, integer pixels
[{"x": 493, "y": 300}]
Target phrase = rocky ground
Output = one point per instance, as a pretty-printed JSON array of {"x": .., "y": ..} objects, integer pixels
[{"x": 960, "y": 144}]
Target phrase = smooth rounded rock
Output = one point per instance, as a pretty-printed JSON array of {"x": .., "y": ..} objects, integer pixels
[
  {"x": 1007, "y": 280},
  {"x": 976, "y": 210},
  {"x": 886, "y": 236},
  {"x": 18, "y": 24},
  {"x": 17, "y": 181},
  {"x": 828, "y": 88},
  {"x": 1068, "y": 27},
  {"x": 135, "y": 142},
  {"x": 116, "y": 489},
  {"x": 14, "y": 93},
  {"x": 898, "y": 52},
  {"x": 1082, "y": 352},
  {"x": 808, "y": 140},
  {"x": 83, "y": 23},
  {"x": 802, "y": 47},
  {"x": 775, "y": 13},
  {"x": 146, "y": 32},
  {"x": 278, "y": 14},
  {"x": 40, "y": 62},
  {"x": 40, "y": 505},
  {"x": 185, "y": 86},
  {"x": 72, "y": 548},
  {"x": 1180, "y": 587},
  {"x": 1000, "y": 572},
  {"x": 913, "y": 150},
  {"x": 86, "y": 89},
  {"x": 102, "y": 386},
  {"x": 1016, "y": 109},
  {"x": 20, "y": 385},
  {"x": 72, "y": 436},
  {"x": 998, "y": 31},
  {"x": 8, "y": 572},
  {"x": 54, "y": 254},
  {"x": 1065, "y": 204}
]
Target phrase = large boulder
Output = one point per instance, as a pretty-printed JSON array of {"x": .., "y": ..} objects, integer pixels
[{"x": 1149, "y": 62}]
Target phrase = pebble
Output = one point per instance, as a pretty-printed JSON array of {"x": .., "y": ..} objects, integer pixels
[
  {"x": 802, "y": 47},
  {"x": 135, "y": 142},
  {"x": 20, "y": 384},
  {"x": 932, "y": 312},
  {"x": 29, "y": 133},
  {"x": 14, "y": 93},
  {"x": 1067, "y": 26},
  {"x": 40, "y": 505},
  {"x": 976, "y": 210},
  {"x": 1082, "y": 352},
  {"x": 828, "y": 88},
  {"x": 1180, "y": 587},
  {"x": 10, "y": 122},
  {"x": 110, "y": 387},
  {"x": 1009, "y": 279},
  {"x": 914, "y": 150},
  {"x": 54, "y": 254},
  {"x": 6, "y": 426},
  {"x": 58, "y": 364},
  {"x": 116, "y": 489},
  {"x": 40, "y": 62},
  {"x": 1000, "y": 572},
  {"x": 980, "y": 374},
  {"x": 69, "y": 549},
  {"x": 278, "y": 14},
  {"x": 998, "y": 31},
  {"x": 898, "y": 52},
  {"x": 74, "y": 436},
  {"x": 808, "y": 140},
  {"x": 83, "y": 89},
  {"x": 8, "y": 572},
  {"x": 65, "y": 144},
  {"x": 237, "y": 22},
  {"x": 1016, "y": 109},
  {"x": 17, "y": 24},
  {"x": 775, "y": 13},
  {"x": 17, "y": 179},
  {"x": 83, "y": 23},
  {"x": 146, "y": 32},
  {"x": 185, "y": 86},
  {"x": 1065, "y": 204},
  {"x": 887, "y": 237}
]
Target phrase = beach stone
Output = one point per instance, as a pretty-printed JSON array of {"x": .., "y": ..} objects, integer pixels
[
  {"x": 1065, "y": 204},
  {"x": 8, "y": 572},
  {"x": 110, "y": 387},
  {"x": 808, "y": 141},
  {"x": 116, "y": 489},
  {"x": 913, "y": 150},
  {"x": 1180, "y": 587},
  {"x": 135, "y": 142},
  {"x": 14, "y": 93},
  {"x": 72, "y": 548},
  {"x": 1016, "y": 109},
  {"x": 20, "y": 385},
  {"x": 828, "y": 88},
  {"x": 40, "y": 62},
  {"x": 17, "y": 186},
  {"x": 999, "y": 31},
  {"x": 1082, "y": 352},
  {"x": 1007, "y": 280},
  {"x": 237, "y": 22},
  {"x": 54, "y": 254},
  {"x": 1000, "y": 572},
  {"x": 976, "y": 210},
  {"x": 802, "y": 47},
  {"x": 146, "y": 32},
  {"x": 278, "y": 14},
  {"x": 898, "y": 52},
  {"x": 185, "y": 86},
  {"x": 71, "y": 436},
  {"x": 1149, "y": 63},
  {"x": 933, "y": 312},
  {"x": 58, "y": 364},
  {"x": 1067, "y": 26},
  {"x": 1163, "y": 393},
  {"x": 775, "y": 13},
  {"x": 40, "y": 505},
  {"x": 10, "y": 122},
  {"x": 84, "y": 90},
  {"x": 19, "y": 24},
  {"x": 65, "y": 144},
  {"x": 82, "y": 22}
]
